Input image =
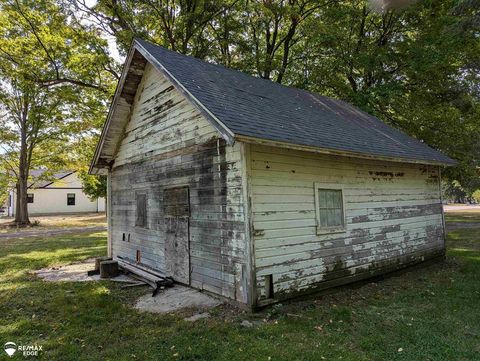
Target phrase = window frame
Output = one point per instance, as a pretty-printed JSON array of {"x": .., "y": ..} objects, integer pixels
[
  {"x": 333, "y": 229},
  {"x": 74, "y": 199},
  {"x": 28, "y": 198}
]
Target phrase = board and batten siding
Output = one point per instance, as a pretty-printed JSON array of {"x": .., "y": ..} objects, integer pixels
[
  {"x": 168, "y": 143},
  {"x": 393, "y": 218}
]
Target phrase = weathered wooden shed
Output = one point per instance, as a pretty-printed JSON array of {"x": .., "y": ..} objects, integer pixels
[{"x": 256, "y": 191}]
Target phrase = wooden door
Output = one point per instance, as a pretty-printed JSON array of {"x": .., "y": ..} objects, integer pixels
[{"x": 177, "y": 233}]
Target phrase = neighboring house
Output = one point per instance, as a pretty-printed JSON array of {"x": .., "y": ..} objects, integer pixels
[
  {"x": 63, "y": 193},
  {"x": 256, "y": 191}
]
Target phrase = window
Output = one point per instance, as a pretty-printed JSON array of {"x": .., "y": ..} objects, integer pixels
[
  {"x": 29, "y": 197},
  {"x": 329, "y": 208},
  {"x": 141, "y": 220},
  {"x": 70, "y": 199}
]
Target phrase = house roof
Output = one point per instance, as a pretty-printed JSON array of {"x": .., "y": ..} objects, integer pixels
[
  {"x": 247, "y": 108},
  {"x": 39, "y": 181}
]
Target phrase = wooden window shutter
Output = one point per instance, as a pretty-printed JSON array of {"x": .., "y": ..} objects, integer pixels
[{"x": 141, "y": 220}]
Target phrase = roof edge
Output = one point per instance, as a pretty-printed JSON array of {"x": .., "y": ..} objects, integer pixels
[
  {"x": 116, "y": 96},
  {"x": 65, "y": 176},
  {"x": 68, "y": 173},
  {"x": 225, "y": 132},
  {"x": 312, "y": 149}
]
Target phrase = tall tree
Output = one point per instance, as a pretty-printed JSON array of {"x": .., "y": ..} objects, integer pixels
[
  {"x": 416, "y": 68},
  {"x": 179, "y": 25},
  {"x": 273, "y": 29},
  {"x": 31, "y": 117},
  {"x": 56, "y": 75},
  {"x": 253, "y": 36},
  {"x": 415, "y": 64}
]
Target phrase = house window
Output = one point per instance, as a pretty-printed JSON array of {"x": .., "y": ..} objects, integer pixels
[
  {"x": 70, "y": 199},
  {"x": 329, "y": 208},
  {"x": 141, "y": 218},
  {"x": 29, "y": 197}
]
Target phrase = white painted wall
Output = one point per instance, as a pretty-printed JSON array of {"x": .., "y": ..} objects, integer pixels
[
  {"x": 11, "y": 203},
  {"x": 50, "y": 200},
  {"x": 53, "y": 199},
  {"x": 393, "y": 216}
]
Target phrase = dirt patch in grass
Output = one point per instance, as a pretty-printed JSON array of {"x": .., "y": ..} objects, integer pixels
[
  {"x": 75, "y": 272},
  {"x": 177, "y": 298}
]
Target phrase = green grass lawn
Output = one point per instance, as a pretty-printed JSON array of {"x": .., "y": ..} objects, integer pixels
[
  {"x": 426, "y": 314},
  {"x": 55, "y": 222},
  {"x": 462, "y": 216}
]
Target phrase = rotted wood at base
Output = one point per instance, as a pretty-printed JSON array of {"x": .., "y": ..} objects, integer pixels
[{"x": 331, "y": 286}]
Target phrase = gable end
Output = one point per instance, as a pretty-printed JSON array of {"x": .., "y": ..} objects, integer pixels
[{"x": 121, "y": 107}]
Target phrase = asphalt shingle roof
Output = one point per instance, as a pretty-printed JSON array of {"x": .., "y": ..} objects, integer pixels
[
  {"x": 39, "y": 182},
  {"x": 263, "y": 109}
]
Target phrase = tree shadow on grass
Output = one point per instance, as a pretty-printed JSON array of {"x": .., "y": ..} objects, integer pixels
[
  {"x": 87, "y": 320},
  {"x": 13, "y": 263},
  {"x": 19, "y": 257}
]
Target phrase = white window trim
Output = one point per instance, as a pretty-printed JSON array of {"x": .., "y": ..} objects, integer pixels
[{"x": 328, "y": 230}]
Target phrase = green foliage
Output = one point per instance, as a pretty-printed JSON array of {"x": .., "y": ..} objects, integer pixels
[
  {"x": 415, "y": 67},
  {"x": 476, "y": 196},
  {"x": 453, "y": 191},
  {"x": 56, "y": 77},
  {"x": 94, "y": 186},
  {"x": 4, "y": 186}
]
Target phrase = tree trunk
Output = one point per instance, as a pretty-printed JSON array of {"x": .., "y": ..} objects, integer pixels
[{"x": 21, "y": 214}]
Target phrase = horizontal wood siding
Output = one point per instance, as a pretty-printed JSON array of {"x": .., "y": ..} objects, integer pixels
[
  {"x": 393, "y": 217},
  {"x": 168, "y": 143}
]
